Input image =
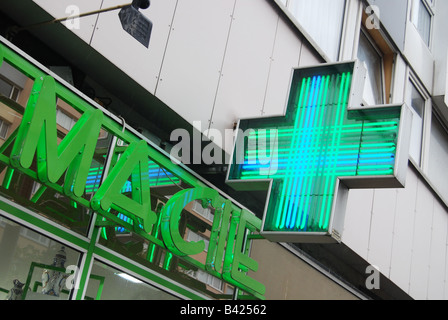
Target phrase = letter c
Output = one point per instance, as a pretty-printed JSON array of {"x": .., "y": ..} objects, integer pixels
[{"x": 171, "y": 214}]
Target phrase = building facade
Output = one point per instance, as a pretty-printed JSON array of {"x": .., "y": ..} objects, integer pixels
[{"x": 115, "y": 156}]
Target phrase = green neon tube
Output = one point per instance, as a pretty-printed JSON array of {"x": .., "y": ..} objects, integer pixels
[
  {"x": 344, "y": 104},
  {"x": 280, "y": 220},
  {"x": 330, "y": 177},
  {"x": 8, "y": 178},
  {"x": 356, "y": 128}
]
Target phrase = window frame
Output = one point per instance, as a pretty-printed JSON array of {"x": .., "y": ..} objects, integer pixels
[
  {"x": 429, "y": 6},
  {"x": 14, "y": 94},
  {"x": 61, "y": 112},
  {"x": 386, "y": 49},
  {"x": 3, "y": 123},
  {"x": 412, "y": 78},
  {"x": 284, "y": 5},
  {"x": 371, "y": 41}
]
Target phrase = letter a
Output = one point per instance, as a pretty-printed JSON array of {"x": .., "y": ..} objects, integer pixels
[{"x": 133, "y": 163}]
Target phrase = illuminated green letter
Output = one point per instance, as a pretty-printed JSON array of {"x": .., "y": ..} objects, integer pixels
[
  {"x": 38, "y": 132},
  {"x": 218, "y": 237},
  {"x": 133, "y": 163},
  {"x": 171, "y": 214},
  {"x": 237, "y": 261}
]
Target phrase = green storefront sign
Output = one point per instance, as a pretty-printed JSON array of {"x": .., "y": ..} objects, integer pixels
[{"x": 65, "y": 166}]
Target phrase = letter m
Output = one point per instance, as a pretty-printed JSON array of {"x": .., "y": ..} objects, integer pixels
[{"x": 38, "y": 135}]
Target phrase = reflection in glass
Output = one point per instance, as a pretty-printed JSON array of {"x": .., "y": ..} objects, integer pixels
[
  {"x": 417, "y": 103},
  {"x": 119, "y": 285},
  {"x": 373, "y": 88},
  {"x": 421, "y": 18},
  {"x": 194, "y": 225},
  {"x": 31, "y": 193},
  {"x": 34, "y": 263}
]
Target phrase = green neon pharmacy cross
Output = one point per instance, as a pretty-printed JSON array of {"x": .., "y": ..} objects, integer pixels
[{"x": 319, "y": 142}]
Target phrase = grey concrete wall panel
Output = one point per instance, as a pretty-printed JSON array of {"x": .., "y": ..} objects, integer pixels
[
  {"x": 140, "y": 63},
  {"x": 192, "y": 63},
  {"x": 245, "y": 72}
]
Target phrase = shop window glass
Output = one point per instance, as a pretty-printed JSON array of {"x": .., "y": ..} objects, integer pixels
[
  {"x": 193, "y": 226},
  {"x": 33, "y": 263},
  {"x": 46, "y": 201},
  {"x": 118, "y": 285}
]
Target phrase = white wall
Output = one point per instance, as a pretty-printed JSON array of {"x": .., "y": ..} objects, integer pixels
[
  {"x": 419, "y": 56},
  {"x": 212, "y": 61},
  {"x": 404, "y": 233},
  {"x": 62, "y": 8}
]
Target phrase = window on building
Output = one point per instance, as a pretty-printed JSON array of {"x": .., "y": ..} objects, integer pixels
[
  {"x": 64, "y": 120},
  {"x": 376, "y": 53},
  {"x": 204, "y": 212},
  {"x": 194, "y": 237},
  {"x": 372, "y": 59},
  {"x": 322, "y": 20},
  {"x": 417, "y": 102},
  {"x": 4, "y": 127},
  {"x": 209, "y": 279},
  {"x": 421, "y": 17},
  {"x": 9, "y": 90}
]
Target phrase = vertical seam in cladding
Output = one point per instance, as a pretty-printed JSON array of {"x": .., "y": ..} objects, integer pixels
[
  {"x": 446, "y": 259},
  {"x": 370, "y": 223},
  {"x": 222, "y": 65},
  {"x": 393, "y": 234},
  {"x": 271, "y": 59},
  {"x": 166, "y": 48},
  {"x": 413, "y": 236},
  {"x": 430, "y": 249},
  {"x": 96, "y": 23}
]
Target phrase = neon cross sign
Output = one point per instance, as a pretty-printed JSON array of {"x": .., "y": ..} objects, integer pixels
[{"x": 321, "y": 147}]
